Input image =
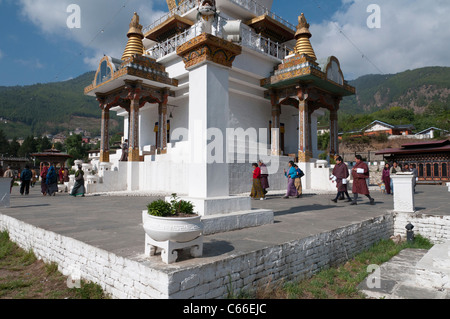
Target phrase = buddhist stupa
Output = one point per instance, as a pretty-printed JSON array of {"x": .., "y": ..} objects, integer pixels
[
  {"x": 302, "y": 36},
  {"x": 135, "y": 37}
]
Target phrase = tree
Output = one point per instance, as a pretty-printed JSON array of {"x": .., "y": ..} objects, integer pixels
[
  {"x": 28, "y": 146},
  {"x": 43, "y": 143},
  {"x": 4, "y": 144},
  {"x": 76, "y": 148},
  {"x": 14, "y": 147}
]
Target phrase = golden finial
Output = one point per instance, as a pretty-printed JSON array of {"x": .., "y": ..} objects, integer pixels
[
  {"x": 135, "y": 37},
  {"x": 302, "y": 36}
]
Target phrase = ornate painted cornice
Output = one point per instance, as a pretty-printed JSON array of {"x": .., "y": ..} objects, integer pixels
[
  {"x": 207, "y": 47},
  {"x": 139, "y": 66}
]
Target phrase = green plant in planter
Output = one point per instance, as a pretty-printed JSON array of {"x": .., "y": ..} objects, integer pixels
[
  {"x": 176, "y": 207},
  {"x": 160, "y": 208}
]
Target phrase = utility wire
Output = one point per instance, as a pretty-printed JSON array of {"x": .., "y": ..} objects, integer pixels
[
  {"x": 101, "y": 31},
  {"x": 363, "y": 55}
]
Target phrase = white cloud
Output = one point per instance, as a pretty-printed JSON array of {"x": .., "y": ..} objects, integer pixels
[
  {"x": 51, "y": 16},
  {"x": 413, "y": 34},
  {"x": 31, "y": 63}
]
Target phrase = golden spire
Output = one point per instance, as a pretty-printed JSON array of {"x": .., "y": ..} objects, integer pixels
[
  {"x": 302, "y": 36},
  {"x": 135, "y": 37}
]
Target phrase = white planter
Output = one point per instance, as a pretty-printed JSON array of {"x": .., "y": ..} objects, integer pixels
[
  {"x": 176, "y": 229},
  {"x": 172, "y": 233}
]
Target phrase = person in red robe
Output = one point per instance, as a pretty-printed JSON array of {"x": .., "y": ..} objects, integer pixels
[
  {"x": 360, "y": 172},
  {"x": 340, "y": 171},
  {"x": 257, "y": 190}
]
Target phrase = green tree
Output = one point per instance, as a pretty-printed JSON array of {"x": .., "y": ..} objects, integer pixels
[
  {"x": 43, "y": 143},
  {"x": 4, "y": 144},
  {"x": 14, "y": 147},
  {"x": 28, "y": 146},
  {"x": 76, "y": 148}
]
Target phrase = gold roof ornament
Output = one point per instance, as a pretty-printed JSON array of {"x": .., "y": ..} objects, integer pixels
[
  {"x": 172, "y": 4},
  {"x": 302, "y": 36},
  {"x": 135, "y": 37}
]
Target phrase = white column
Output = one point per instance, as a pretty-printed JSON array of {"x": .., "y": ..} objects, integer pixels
[
  {"x": 403, "y": 192},
  {"x": 5, "y": 184},
  {"x": 208, "y": 110}
]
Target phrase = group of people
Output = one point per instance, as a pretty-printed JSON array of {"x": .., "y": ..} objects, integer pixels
[
  {"x": 360, "y": 174},
  {"x": 340, "y": 175},
  {"x": 389, "y": 170},
  {"x": 27, "y": 179},
  {"x": 49, "y": 179},
  {"x": 261, "y": 182}
]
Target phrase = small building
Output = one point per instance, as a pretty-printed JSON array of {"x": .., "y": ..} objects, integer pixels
[
  {"x": 431, "y": 132},
  {"x": 379, "y": 127},
  {"x": 432, "y": 159}
]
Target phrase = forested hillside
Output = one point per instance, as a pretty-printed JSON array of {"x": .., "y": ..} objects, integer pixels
[
  {"x": 50, "y": 108},
  {"x": 420, "y": 97}
]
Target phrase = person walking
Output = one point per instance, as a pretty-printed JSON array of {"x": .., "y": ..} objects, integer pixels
[
  {"x": 25, "y": 180},
  {"x": 9, "y": 174},
  {"x": 386, "y": 178},
  {"x": 264, "y": 177},
  {"x": 44, "y": 171},
  {"x": 360, "y": 172},
  {"x": 257, "y": 190},
  {"x": 392, "y": 171},
  {"x": 415, "y": 174},
  {"x": 340, "y": 171},
  {"x": 298, "y": 180},
  {"x": 33, "y": 177},
  {"x": 291, "y": 190},
  {"x": 52, "y": 181},
  {"x": 124, "y": 157},
  {"x": 78, "y": 187}
]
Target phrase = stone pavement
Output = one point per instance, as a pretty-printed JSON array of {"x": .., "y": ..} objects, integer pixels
[{"x": 114, "y": 223}]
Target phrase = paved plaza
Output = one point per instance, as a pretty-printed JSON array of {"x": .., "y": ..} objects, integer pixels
[{"x": 114, "y": 222}]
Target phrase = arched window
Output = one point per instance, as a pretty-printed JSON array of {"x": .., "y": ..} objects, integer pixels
[
  {"x": 436, "y": 170},
  {"x": 420, "y": 170},
  {"x": 104, "y": 73},
  {"x": 444, "y": 170},
  {"x": 428, "y": 170}
]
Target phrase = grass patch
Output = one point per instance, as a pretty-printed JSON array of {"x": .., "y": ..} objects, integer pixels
[
  {"x": 339, "y": 282},
  {"x": 23, "y": 276}
]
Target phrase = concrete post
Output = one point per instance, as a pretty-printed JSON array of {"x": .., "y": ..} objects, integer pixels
[
  {"x": 403, "y": 192},
  {"x": 5, "y": 185}
]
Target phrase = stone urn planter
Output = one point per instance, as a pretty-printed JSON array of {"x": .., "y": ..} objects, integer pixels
[{"x": 171, "y": 232}]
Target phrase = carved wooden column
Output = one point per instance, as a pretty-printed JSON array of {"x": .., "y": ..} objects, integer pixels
[
  {"x": 162, "y": 127},
  {"x": 334, "y": 142},
  {"x": 104, "y": 142},
  {"x": 275, "y": 129},
  {"x": 133, "y": 152},
  {"x": 304, "y": 127}
]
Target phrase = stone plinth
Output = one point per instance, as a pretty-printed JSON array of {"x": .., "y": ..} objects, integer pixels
[
  {"x": 433, "y": 269},
  {"x": 403, "y": 192},
  {"x": 5, "y": 185}
]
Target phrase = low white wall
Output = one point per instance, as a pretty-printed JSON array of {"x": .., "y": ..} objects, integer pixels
[
  {"x": 435, "y": 228},
  {"x": 120, "y": 277},
  {"x": 124, "y": 278}
]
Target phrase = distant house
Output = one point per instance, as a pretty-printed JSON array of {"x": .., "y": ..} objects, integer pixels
[
  {"x": 378, "y": 127},
  {"x": 59, "y": 138},
  {"x": 430, "y": 133},
  {"x": 432, "y": 159},
  {"x": 322, "y": 130}
]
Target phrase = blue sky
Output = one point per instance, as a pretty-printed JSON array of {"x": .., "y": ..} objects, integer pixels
[{"x": 36, "y": 46}]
